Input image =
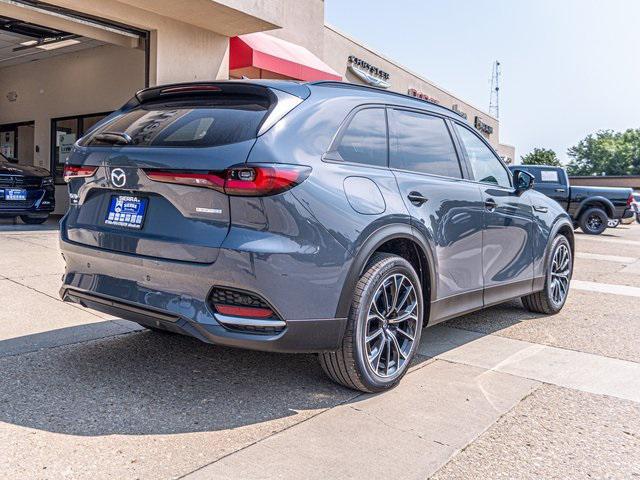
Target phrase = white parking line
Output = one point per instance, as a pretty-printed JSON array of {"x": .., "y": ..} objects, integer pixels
[
  {"x": 605, "y": 288},
  {"x": 606, "y": 258},
  {"x": 565, "y": 368},
  {"x": 616, "y": 240}
]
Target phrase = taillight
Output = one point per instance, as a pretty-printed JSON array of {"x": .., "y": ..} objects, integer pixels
[
  {"x": 630, "y": 200},
  {"x": 74, "y": 171},
  {"x": 247, "y": 180},
  {"x": 207, "y": 180}
]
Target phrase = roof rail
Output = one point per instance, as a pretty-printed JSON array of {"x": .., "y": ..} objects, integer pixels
[{"x": 380, "y": 90}]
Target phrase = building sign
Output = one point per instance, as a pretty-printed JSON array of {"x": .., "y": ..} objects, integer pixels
[
  {"x": 483, "y": 127},
  {"x": 368, "y": 73},
  {"x": 422, "y": 96},
  {"x": 458, "y": 111}
]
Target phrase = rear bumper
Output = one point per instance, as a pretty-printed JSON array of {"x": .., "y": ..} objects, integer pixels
[
  {"x": 41, "y": 202},
  {"x": 298, "y": 336},
  {"x": 303, "y": 284}
]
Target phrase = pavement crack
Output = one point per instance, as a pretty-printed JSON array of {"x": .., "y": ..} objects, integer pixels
[{"x": 78, "y": 307}]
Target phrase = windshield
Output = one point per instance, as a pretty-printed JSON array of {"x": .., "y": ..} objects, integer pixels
[{"x": 187, "y": 123}]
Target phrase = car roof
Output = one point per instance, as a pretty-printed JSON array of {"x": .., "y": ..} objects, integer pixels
[
  {"x": 387, "y": 96},
  {"x": 535, "y": 166}
]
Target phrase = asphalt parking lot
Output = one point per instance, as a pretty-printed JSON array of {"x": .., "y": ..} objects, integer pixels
[{"x": 501, "y": 393}]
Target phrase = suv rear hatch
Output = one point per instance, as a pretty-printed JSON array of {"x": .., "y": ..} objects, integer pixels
[{"x": 150, "y": 179}]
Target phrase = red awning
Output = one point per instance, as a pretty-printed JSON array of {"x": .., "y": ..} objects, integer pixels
[{"x": 266, "y": 52}]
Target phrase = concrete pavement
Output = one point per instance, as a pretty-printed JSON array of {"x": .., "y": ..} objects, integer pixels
[{"x": 497, "y": 394}]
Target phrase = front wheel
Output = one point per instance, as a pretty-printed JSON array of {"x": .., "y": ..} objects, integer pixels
[
  {"x": 558, "y": 273},
  {"x": 383, "y": 329}
]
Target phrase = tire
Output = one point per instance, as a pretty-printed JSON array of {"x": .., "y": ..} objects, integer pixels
[
  {"x": 33, "y": 220},
  {"x": 613, "y": 223},
  {"x": 355, "y": 364},
  {"x": 545, "y": 301},
  {"x": 593, "y": 221}
]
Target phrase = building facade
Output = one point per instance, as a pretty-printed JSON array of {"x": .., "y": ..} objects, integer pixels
[{"x": 65, "y": 64}]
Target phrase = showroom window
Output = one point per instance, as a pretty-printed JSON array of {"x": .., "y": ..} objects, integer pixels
[{"x": 64, "y": 133}]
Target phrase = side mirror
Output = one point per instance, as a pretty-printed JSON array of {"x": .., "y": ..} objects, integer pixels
[
  {"x": 523, "y": 180},
  {"x": 12, "y": 159}
]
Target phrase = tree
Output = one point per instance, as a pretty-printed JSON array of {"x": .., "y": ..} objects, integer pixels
[
  {"x": 541, "y": 156},
  {"x": 606, "y": 153}
]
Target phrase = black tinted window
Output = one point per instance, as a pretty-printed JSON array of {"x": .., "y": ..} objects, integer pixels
[
  {"x": 190, "y": 123},
  {"x": 422, "y": 144},
  {"x": 365, "y": 139}
]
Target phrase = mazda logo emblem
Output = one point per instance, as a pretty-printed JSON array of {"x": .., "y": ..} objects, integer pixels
[{"x": 118, "y": 177}]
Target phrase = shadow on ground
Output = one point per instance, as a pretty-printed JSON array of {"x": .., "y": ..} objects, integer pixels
[
  {"x": 148, "y": 383},
  {"x": 17, "y": 225}
]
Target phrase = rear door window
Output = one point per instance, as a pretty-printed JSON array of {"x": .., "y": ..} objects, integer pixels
[
  {"x": 365, "y": 139},
  {"x": 422, "y": 143},
  {"x": 189, "y": 123}
]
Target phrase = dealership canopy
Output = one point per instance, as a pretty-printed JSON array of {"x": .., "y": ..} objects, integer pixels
[{"x": 271, "y": 54}]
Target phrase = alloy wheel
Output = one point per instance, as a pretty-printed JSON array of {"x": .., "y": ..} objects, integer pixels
[
  {"x": 391, "y": 325},
  {"x": 594, "y": 222},
  {"x": 560, "y": 274}
]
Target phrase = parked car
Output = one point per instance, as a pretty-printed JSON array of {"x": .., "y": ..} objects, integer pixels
[
  {"x": 321, "y": 217},
  {"x": 635, "y": 205},
  {"x": 25, "y": 192},
  {"x": 591, "y": 208}
]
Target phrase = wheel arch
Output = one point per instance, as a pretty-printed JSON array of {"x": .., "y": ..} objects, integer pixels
[
  {"x": 402, "y": 240},
  {"x": 596, "y": 202},
  {"x": 562, "y": 226}
]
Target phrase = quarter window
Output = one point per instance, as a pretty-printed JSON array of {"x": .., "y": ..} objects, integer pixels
[
  {"x": 485, "y": 165},
  {"x": 365, "y": 139},
  {"x": 422, "y": 143}
]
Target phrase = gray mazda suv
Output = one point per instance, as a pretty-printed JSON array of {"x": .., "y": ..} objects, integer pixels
[{"x": 304, "y": 217}]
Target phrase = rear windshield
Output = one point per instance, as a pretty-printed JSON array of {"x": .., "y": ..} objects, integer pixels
[{"x": 196, "y": 122}]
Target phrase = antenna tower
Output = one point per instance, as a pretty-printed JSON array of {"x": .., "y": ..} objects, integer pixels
[{"x": 494, "y": 96}]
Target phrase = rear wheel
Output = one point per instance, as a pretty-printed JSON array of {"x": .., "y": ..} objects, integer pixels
[
  {"x": 33, "y": 220},
  {"x": 383, "y": 329},
  {"x": 558, "y": 273},
  {"x": 593, "y": 221}
]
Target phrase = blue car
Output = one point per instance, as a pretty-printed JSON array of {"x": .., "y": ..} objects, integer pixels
[{"x": 304, "y": 217}]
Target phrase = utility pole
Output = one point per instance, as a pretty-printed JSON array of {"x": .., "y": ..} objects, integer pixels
[{"x": 494, "y": 95}]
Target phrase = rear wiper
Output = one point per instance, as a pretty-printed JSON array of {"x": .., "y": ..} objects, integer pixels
[{"x": 118, "y": 138}]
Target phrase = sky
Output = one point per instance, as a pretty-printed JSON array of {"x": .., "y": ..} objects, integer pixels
[{"x": 569, "y": 67}]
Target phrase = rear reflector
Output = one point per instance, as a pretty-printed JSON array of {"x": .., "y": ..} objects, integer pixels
[
  {"x": 247, "y": 312},
  {"x": 73, "y": 171},
  {"x": 247, "y": 180}
]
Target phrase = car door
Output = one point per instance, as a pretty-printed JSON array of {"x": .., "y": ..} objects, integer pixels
[
  {"x": 507, "y": 239},
  {"x": 446, "y": 207}
]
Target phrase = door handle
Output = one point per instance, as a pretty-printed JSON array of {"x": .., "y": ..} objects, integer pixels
[
  {"x": 560, "y": 190},
  {"x": 416, "y": 198},
  {"x": 490, "y": 204}
]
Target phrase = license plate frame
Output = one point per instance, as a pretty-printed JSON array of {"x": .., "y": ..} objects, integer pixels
[
  {"x": 15, "y": 194},
  {"x": 127, "y": 211}
]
